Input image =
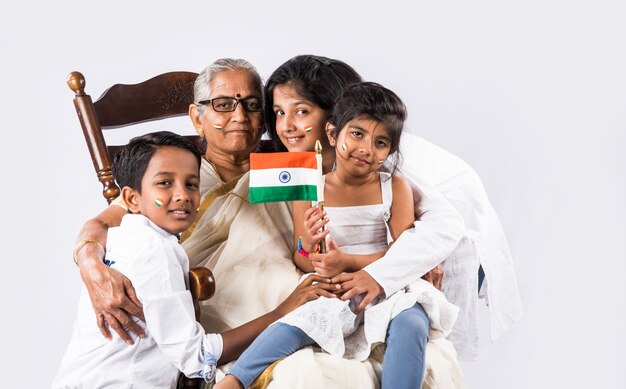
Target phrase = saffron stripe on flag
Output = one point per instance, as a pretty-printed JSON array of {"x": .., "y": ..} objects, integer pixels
[
  {"x": 282, "y": 160},
  {"x": 282, "y": 193}
]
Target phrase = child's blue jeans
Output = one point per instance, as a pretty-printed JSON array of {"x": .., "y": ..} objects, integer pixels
[{"x": 403, "y": 366}]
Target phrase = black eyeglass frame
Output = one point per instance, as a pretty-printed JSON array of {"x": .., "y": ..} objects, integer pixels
[{"x": 210, "y": 101}]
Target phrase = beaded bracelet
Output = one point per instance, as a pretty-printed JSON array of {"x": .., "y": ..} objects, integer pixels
[
  {"x": 82, "y": 244},
  {"x": 301, "y": 250},
  {"x": 305, "y": 253}
]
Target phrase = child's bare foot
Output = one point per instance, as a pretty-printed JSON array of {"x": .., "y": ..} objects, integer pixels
[{"x": 229, "y": 382}]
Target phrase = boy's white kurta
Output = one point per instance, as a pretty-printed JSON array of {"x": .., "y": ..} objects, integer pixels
[
  {"x": 426, "y": 165},
  {"x": 249, "y": 249},
  {"x": 158, "y": 268}
]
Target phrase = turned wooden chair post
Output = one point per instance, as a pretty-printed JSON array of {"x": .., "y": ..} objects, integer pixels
[{"x": 93, "y": 136}]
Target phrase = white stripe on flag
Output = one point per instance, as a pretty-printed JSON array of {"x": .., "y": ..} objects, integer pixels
[{"x": 283, "y": 177}]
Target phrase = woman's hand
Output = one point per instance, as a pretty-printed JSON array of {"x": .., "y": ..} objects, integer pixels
[
  {"x": 358, "y": 283},
  {"x": 435, "y": 276},
  {"x": 334, "y": 262},
  {"x": 314, "y": 220},
  {"x": 112, "y": 296},
  {"x": 311, "y": 288},
  {"x": 113, "y": 299}
]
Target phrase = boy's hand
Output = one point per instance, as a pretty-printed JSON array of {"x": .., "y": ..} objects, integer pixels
[
  {"x": 314, "y": 220},
  {"x": 113, "y": 299},
  {"x": 311, "y": 288},
  {"x": 354, "y": 284},
  {"x": 334, "y": 262}
]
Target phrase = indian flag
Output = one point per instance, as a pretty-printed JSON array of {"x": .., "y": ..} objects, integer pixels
[{"x": 283, "y": 177}]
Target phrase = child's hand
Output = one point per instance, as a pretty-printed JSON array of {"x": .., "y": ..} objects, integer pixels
[
  {"x": 314, "y": 220},
  {"x": 311, "y": 288},
  {"x": 354, "y": 284},
  {"x": 334, "y": 262}
]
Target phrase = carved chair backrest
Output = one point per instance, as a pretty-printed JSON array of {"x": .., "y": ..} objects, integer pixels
[{"x": 164, "y": 96}]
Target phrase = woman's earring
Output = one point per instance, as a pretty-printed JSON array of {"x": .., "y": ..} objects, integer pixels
[
  {"x": 200, "y": 132},
  {"x": 381, "y": 161}
]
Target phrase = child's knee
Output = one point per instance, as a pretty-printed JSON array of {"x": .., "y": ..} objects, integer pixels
[{"x": 412, "y": 323}]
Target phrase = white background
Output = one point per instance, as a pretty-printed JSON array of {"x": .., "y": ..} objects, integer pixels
[{"x": 532, "y": 94}]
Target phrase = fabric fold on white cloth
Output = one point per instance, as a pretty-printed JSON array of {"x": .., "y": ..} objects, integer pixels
[{"x": 484, "y": 243}]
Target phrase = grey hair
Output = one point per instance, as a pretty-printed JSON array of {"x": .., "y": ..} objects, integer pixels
[{"x": 202, "y": 87}]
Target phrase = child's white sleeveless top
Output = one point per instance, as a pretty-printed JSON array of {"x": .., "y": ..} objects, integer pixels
[
  {"x": 363, "y": 229},
  {"x": 331, "y": 322}
]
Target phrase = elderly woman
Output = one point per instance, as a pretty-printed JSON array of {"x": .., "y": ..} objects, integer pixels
[{"x": 248, "y": 246}]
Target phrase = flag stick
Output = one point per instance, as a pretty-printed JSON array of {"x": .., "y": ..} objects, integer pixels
[{"x": 320, "y": 188}]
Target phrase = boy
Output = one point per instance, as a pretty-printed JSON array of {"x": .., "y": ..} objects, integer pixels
[{"x": 159, "y": 176}]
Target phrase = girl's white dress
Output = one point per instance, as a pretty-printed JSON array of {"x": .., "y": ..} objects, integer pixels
[{"x": 332, "y": 322}]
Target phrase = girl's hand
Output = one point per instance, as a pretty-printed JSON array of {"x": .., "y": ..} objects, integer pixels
[
  {"x": 354, "y": 284},
  {"x": 334, "y": 262},
  {"x": 314, "y": 220}
]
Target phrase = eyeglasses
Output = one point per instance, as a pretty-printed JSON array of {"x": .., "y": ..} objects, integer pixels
[{"x": 229, "y": 104}]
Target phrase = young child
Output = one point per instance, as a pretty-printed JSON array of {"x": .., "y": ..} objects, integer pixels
[
  {"x": 365, "y": 210},
  {"x": 159, "y": 176}
]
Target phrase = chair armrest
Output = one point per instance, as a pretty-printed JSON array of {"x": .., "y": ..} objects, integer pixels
[
  {"x": 201, "y": 283},
  {"x": 202, "y": 287}
]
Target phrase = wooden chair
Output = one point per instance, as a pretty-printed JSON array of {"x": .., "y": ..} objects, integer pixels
[{"x": 164, "y": 96}]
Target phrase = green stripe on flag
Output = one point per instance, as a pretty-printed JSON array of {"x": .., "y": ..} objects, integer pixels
[{"x": 268, "y": 194}]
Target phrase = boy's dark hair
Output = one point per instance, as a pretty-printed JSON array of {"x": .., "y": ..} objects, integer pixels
[
  {"x": 317, "y": 79},
  {"x": 369, "y": 100},
  {"x": 131, "y": 162}
]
